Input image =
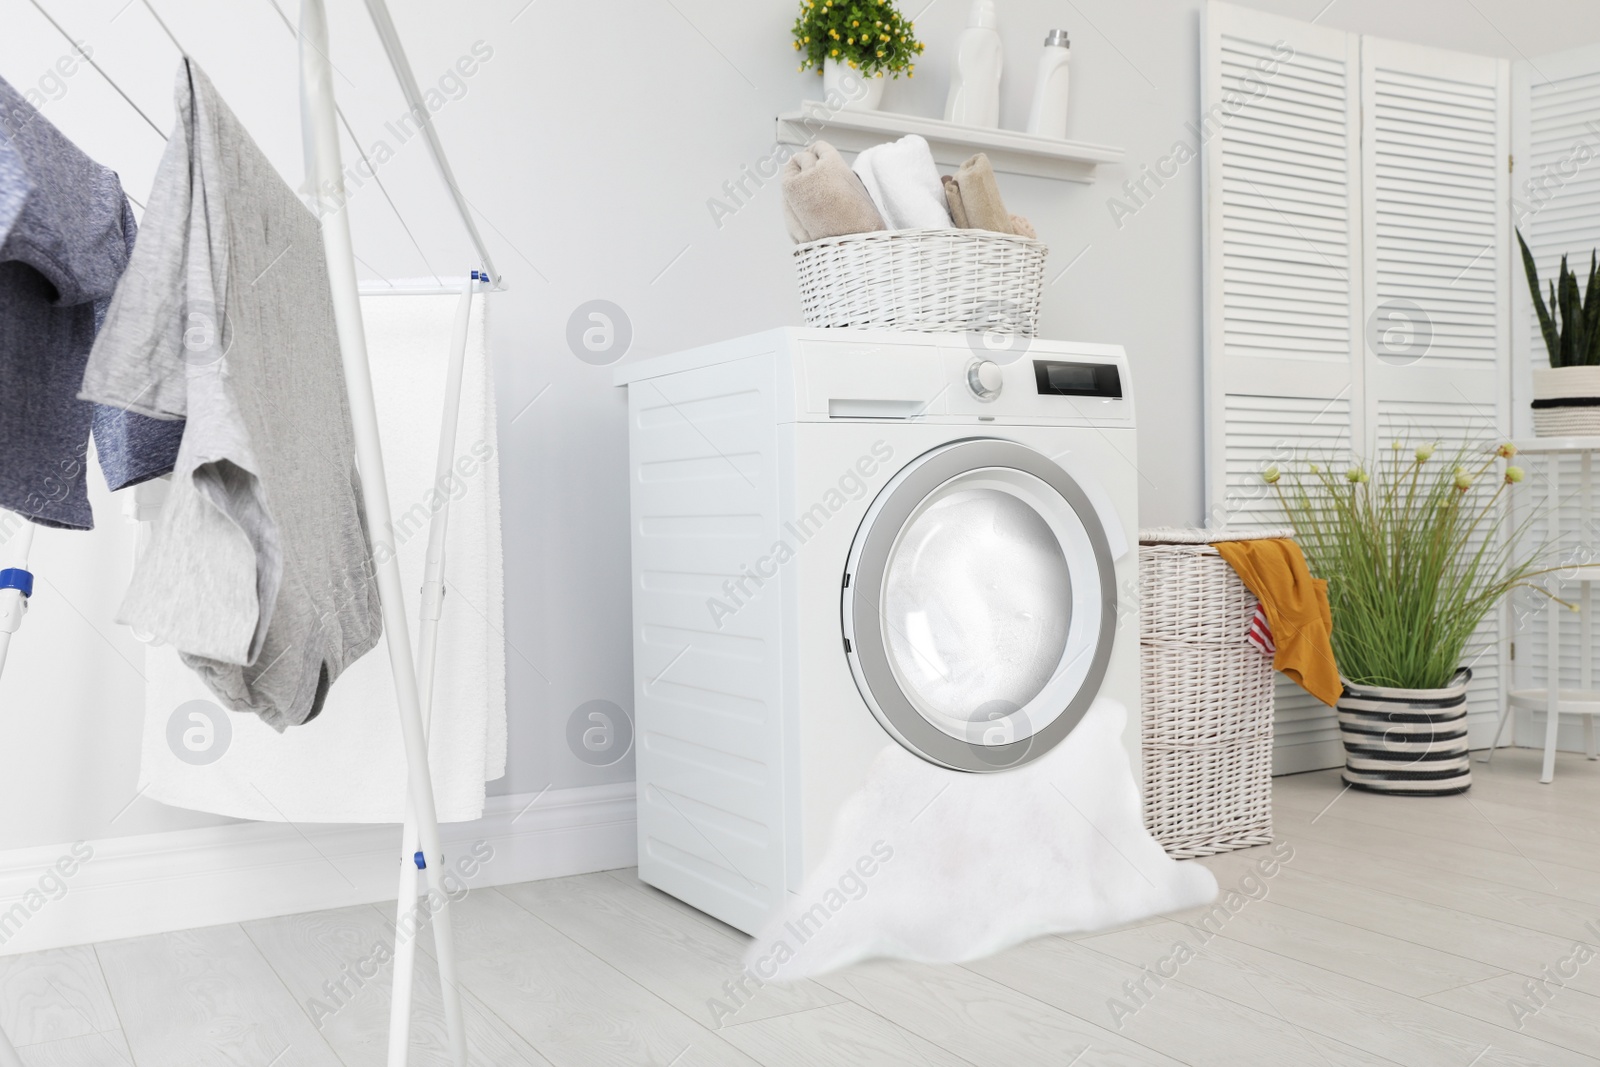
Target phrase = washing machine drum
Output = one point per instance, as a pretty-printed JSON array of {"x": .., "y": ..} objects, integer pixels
[{"x": 980, "y": 605}]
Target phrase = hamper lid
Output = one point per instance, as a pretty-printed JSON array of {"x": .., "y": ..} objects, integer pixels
[{"x": 1179, "y": 535}]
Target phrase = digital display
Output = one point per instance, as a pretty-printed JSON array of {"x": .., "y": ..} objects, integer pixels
[{"x": 1055, "y": 378}]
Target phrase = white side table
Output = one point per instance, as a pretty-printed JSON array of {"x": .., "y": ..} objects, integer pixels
[{"x": 1551, "y": 698}]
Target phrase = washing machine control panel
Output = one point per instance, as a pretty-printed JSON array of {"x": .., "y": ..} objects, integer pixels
[
  {"x": 1038, "y": 380},
  {"x": 1058, "y": 377},
  {"x": 985, "y": 379},
  {"x": 850, "y": 375}
]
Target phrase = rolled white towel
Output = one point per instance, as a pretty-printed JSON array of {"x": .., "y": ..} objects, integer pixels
[{"x": 904, "y": 183}]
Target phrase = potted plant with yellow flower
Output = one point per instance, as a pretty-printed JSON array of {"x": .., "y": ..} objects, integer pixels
[
  {"x": 1415, "y": 556},
  {"x": 855, "y": 40}
]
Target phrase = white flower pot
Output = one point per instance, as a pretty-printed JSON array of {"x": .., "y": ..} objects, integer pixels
[
  {"x": 1566, "y": 401},
  {"x": 859, "y": 92}
]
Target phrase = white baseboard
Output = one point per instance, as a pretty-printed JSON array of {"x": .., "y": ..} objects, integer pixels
[{"x": 132, "y": 886}]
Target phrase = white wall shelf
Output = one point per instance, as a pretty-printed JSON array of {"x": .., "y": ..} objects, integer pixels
[{"x": 1008, "y": 150}]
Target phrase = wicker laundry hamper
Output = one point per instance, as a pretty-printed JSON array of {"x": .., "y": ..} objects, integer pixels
[
  {"x": 933, "y": 281},
  {"x": 1207, "y": 718}
]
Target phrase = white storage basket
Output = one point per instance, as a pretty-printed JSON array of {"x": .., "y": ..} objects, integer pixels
[
  {"x": 1207, "y": 719},
  {"x": 934, "y": 281}
]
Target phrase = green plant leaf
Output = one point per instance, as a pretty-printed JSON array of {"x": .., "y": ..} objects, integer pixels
[
  {"x": 1578, "y": 325},
  {"x": 1589, "y": 354},
  {"x": 1546, "y": 326},
  {"x": 874, "y": 37},
  {"x": 1568, "y": 292},
  {"x": 1555, "y": 309},
  {"x": 1414, "y": 561}
]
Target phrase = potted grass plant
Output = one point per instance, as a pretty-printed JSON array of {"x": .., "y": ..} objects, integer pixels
[
  {"x": 1566, "y": 394},
  {"x": 855, "y": 41},
  {"x": 1415, "y": 555}
]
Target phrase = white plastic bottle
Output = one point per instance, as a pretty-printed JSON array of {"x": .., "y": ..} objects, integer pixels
[
  {"x": 975, "y": 87},
  {"x": 1048, "y": 115}
]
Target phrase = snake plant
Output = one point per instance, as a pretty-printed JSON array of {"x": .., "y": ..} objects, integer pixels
[{"x": 1575, "y": 340}]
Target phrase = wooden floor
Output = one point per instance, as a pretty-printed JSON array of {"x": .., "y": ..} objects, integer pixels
[{"x": 1401, "y": 931}]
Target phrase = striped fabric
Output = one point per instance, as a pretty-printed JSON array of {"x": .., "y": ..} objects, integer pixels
[
  {"x": 1411, "y": 741},
  {"x": 1566, "y": 418},
  {"x": 1260, "y": 633}
]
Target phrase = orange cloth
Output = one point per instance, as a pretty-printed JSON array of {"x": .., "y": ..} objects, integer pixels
[{"x": 1297, "y": 608}]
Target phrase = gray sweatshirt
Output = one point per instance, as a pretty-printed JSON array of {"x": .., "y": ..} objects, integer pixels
[{"x": 259, "y": 569}]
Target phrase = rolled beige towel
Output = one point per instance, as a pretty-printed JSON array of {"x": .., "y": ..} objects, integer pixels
[
  {"x": 952, "y": 199},
  {"x": 823, "y": 197},
  {"x": 974, "y": 197}
]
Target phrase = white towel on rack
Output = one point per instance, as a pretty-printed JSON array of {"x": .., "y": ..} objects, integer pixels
[{"x": 348, "y": 764}]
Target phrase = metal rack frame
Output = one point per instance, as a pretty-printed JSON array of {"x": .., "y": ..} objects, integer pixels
[{"x": 413, "y": 677}]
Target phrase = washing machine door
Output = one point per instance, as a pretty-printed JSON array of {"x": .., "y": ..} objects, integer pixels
[{"x": 980, "y": 605}]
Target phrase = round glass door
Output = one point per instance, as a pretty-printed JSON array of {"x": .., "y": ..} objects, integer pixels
[{"x": 980, "y": 605}]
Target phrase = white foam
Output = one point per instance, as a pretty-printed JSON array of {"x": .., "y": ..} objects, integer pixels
[
  {"x": 942, "y": 866},
  {"x": 972, "y": 605}
]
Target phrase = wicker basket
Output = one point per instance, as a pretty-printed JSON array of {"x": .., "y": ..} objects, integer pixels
[
  {"x": 935, "y": 281},
  {"x": 1207, "y": 718}
]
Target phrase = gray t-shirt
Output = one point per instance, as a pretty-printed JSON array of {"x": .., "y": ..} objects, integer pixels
[
  {"x": 259, "y": 569},
  {"x": 65, "y": 235}
]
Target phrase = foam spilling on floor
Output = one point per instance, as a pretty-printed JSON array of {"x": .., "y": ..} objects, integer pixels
[{"x": 942, "y": 866}]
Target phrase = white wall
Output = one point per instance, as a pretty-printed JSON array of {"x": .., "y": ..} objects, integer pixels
[{"x": 590, "y": 141}]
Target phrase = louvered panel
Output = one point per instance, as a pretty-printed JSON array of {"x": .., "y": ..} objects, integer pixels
[
  {"x": 1287, "y": 224},
  {"x": 1282, "y": 277},
  {"x": 1408, "y": 174},
  {"x": 1431, "y": 151},
  {"x": 1417, "y": 185},
  {"x": 1274, "y": 123},
  {"x": 1285, "y": 431},
  {"x": 1435, "y": 142},
  {"x": 1566, "y": 213},
  {"x": 1567, "y": 221},
  {"x": 1311, "y": 78},
  {"x": 1562, "y": 104},
  {"x": 1260, "y": 172},
  {"x": 1355, "y": 251},
  {"x": 1451, "y": 425},
  {"x": 1284, "y": 219},
  {"x": 1557, "y": 194},
  {"x": 1299, "y": 198},
  {"x": 1414, "y": 206},
  {"x": 1288, "y": 432}
]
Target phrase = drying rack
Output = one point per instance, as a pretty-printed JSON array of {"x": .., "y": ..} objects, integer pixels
[{"x": 422, "y": 854}]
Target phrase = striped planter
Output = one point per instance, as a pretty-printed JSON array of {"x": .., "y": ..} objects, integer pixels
[
  {"x": 1410, "y": 741},
  {"x": 1566, "y": 401}
]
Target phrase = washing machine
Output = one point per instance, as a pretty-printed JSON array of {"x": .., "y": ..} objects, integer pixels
[{"x": 843, "y": 540}]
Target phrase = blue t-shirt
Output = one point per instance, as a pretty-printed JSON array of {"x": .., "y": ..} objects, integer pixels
[{"x": 66, "y": 232}]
